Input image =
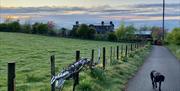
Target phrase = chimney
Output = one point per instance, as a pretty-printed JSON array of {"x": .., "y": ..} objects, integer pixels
[
  {"x": 111, "y": 23},
  {"x": 102, "y": 23},
  {"x": 77, "y": 22}
]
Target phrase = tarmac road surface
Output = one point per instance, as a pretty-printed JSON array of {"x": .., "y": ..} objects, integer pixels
[{"x": 163, "y": 61}]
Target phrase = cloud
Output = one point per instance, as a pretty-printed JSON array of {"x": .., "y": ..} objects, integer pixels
[
  {"x": 172, "y": 5},
  {"x": 130, "y": 12},
  {"x": 49, "y": 9}
]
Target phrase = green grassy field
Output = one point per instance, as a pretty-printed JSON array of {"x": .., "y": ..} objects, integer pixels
[{"x": 32, "y": 53}]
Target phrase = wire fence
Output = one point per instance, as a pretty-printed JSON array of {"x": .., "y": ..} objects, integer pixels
[{"x": 72, "y": 71}]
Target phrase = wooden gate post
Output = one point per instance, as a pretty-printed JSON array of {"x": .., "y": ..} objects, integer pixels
[
  {"x": 104, "y": 57},
  {"x": 52, "y": 59},
  {"x": 11, "y": 76}
]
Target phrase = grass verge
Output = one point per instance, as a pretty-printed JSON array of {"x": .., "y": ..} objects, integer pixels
[
  {"x": 175, "y": 50},
  {"x": 116, "y": 76}
]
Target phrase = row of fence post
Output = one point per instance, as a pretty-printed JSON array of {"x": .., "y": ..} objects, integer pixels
[{"x": 12, "y": 75}]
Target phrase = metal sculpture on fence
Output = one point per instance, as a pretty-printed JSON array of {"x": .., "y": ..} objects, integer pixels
[
  {"x": 68, "y": 73},
  {"x": 73, "y": 69}
]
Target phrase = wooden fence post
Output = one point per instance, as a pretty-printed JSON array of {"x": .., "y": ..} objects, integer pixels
[
  {"x": 76, "y": 75},
  {"x": 11, "y": 76},
  {"x": 111, "y": 55},
  {"x": 114, "y": 52},
  {"x": 126, "y": 52},
  {"x": 52, "y": 59},
  {"x": 104, "y": 57},
  {"x": 77, "y": 59},
  {"x": 92, "y": 58},
  {"x": 117, "y": 52}
]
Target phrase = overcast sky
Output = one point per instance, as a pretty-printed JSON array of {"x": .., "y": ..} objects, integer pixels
[
  {"x": 65, "y": 12},
  {"x": 83, "y": 3}
]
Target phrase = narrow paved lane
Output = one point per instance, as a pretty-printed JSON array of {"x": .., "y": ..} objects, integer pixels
[{"x": 162, "y": 60}]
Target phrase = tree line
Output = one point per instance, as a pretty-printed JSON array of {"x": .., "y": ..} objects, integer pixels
[{"x": 122, "y": 33}]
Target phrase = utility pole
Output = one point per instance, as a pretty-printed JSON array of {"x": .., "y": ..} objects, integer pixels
[{"x": 163, "y": 20}]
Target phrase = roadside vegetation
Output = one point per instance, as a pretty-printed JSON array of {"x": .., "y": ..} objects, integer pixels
[
  {"x": 32, "y": 53},
  {"x": 173, "y": 41},
  {"x": 116, "y": 76},
  {"x": 175, "y": 50}
]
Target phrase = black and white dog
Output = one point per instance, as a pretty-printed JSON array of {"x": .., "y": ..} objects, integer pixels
[{"x": 156, "y": 77}]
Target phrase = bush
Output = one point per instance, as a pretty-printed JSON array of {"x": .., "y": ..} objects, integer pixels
[
  {"x": 84, "y": 31},
  {"x": 157, "y": 33},
  {"x": 125, "y": 32},
  {"x": 120, "y": 32},
  {"x": 112, "y": 36},
  {"x": 4, "y": 27},
  {"x": 39, "y": 28},
  {"x": 174, "y": 36},
  {"x": 10, "y": 27},
  {"x": 26, "y": 28},
  {"x": 101, "y": 37},
  {"x": 15, "y": 26}
]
